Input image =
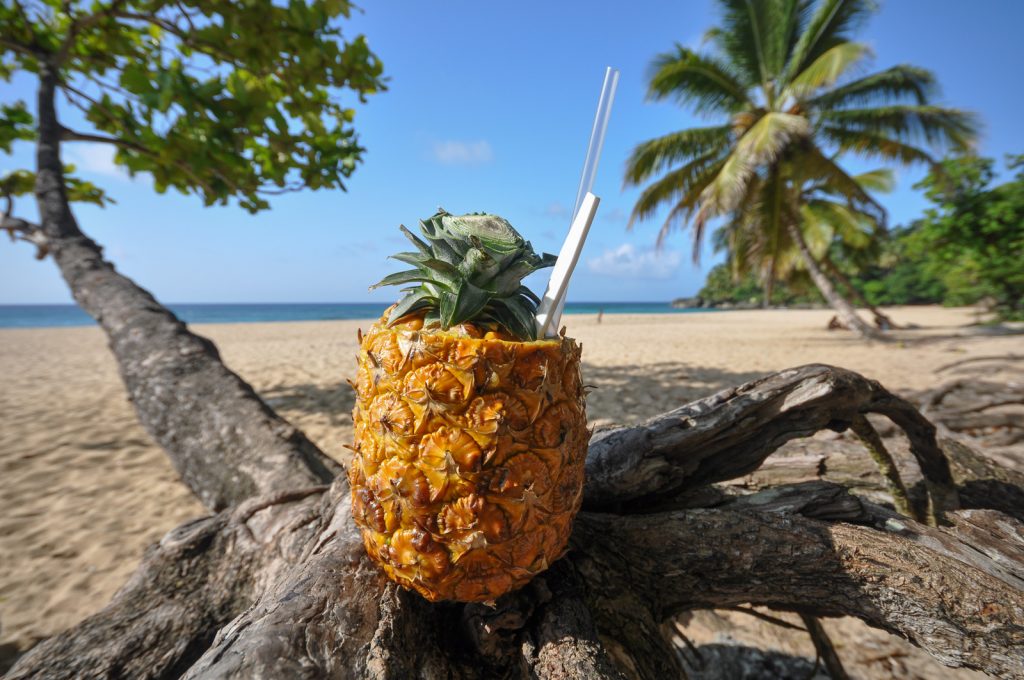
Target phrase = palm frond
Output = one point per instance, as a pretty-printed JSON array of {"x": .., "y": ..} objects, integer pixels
[
  {"x": 814, "y": 168},
  {"x": 657, "y": 154},
  {"x": 891, "y": 85},
  {"x": 761, "y": 144},
  {"x": 689, "y": 204},
  {"x": 742, "y": 238},
  {"x": 830, "y": 24},
  {"x": 826, "y": 220},
  {"x": 827, "y": 69},
  {"x": 740, "y": 40},
  {"x": 679, "y": 184},
  {"x": 938, "y": 126},
  {"x": 703, "y": 81},
  {"x": 881, "y": 180},
  {"x": 875, "y": 145}
]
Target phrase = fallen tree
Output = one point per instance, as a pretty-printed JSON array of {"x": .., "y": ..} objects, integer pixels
[{"x": 278, "y": 585}]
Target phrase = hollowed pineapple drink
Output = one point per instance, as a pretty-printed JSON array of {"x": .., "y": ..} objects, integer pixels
[{"x": 470, "y": 433}]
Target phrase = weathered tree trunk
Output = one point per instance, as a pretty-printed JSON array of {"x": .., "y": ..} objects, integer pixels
[
  {"x": 279, "y": 585},
  {"x": 226, "y": 444},
  {"x": 847, "y": 314}
]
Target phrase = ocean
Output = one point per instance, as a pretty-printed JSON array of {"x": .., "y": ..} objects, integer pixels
[{"x": 49, "y": 316}]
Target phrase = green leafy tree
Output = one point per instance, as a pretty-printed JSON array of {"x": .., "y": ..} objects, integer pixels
[
  {"x": 972, "y": 240},
  {"x": 898, "y": 275},
  {"x": 722, "y": 287},
  {"x": 780, "y": 75},
  {"x": 224, "y": 100}
]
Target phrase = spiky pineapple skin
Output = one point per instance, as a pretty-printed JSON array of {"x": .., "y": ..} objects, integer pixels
[{"x": 469, "y": 456}]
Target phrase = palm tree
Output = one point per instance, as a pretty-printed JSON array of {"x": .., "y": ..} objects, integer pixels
[
  {"x": 828, "y": 223},
  {"x": 781, "y": 73}
]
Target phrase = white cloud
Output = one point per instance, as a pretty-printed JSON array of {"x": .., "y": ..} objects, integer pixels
[
  {"x": 557, "y": 210},
  {"x": 627, "y": 262},
  {"x": 454, "y": 152},
  {"x": 95, "y": 158}
]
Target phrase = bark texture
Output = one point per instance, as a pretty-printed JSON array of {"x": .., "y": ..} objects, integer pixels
[
  {"x": 226, "y": 444},
  {"x": 981, "y": 402},
  {"x": 279, "y": 585},
  {"x": 847, "y": 314},
  {"x": 882, "y": 320}
]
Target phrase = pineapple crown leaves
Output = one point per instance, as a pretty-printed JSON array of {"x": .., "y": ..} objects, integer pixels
[{"x": 469, "y": 268}]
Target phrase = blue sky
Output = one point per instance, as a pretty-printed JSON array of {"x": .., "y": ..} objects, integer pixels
[{"x": 489, "y": 109}]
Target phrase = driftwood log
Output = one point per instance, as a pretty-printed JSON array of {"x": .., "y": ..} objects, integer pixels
[
  {"x": 981, "y": 402},
  {"x": 277, "y": 585}
]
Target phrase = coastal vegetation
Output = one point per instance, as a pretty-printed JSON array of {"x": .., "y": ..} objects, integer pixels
[
  {"x": 967, "y": 249},
  {"x": 784, "y": 80}
]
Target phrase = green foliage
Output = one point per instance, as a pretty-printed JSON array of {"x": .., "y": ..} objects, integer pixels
[
  {"x": 722, "y": 288},
  {"x": 899, "y": 274},
  {"x": 16, "y": 124},
  {"x": 967, "y": 249},
  {"x": 973, "y": 237},
  {"x": 469, "y": 268},
  {"x": 220, "y": 99},
  {"x": 23, "y": 182},
  {"x": 786, "y": 82}
]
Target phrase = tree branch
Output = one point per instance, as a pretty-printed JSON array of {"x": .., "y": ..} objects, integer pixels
[
  {"x": 210, "y": 50},
  {"x": 23, "y": 48},
  {"x": 81, "y": 23},
  {"x": 866, "y": 432},
  {"x": 563, "y": 642},
  {"x": 72, "y": 136},
  {"x": 931, "y": 586},
  {"x": 291, "y": 569},
  {"x": 192, "y": 583},
  {"x": 23, "y": 230},
  {"x": 685, "y": 449},
  {"x": 223, "y": 440},
  {"x": 333, "y": 614},
  {"x": 824, "y": 647}
]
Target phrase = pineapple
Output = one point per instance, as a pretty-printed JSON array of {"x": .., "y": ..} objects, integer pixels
[{"x": 470, "y": 433}]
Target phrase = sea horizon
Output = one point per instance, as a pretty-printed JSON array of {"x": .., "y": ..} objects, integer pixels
[{"x": 64, "y": 315}]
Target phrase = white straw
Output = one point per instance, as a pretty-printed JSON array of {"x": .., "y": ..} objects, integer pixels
[
  {"x": 597, "y": 133},
  {"x": 552, "y": 317},
  {"x": 567, "y": 258}
]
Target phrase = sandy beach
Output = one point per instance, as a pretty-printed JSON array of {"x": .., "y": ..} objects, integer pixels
[{"x": 84, "y": 490}]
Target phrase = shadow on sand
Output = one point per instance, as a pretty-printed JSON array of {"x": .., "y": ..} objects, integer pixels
[{"x": 627, "y": 394}]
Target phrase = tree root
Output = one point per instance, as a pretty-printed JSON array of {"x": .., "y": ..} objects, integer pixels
[{"x": 279, "y": 586}]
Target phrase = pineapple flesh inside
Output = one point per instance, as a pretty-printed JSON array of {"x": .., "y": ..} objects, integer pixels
[{"x": 469, "y": 455}]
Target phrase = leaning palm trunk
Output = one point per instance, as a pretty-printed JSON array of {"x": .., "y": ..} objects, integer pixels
[
  {"x": 223, "y": 440},
  {"x": 769, "y": 288},
  {"x": 847, "y": 314},
  {"x": 881, "y": 318}
]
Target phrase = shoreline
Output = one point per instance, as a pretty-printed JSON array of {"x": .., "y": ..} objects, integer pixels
[
  {"x": 17, "y": 316},
  {"x": 592, "y": 309}
]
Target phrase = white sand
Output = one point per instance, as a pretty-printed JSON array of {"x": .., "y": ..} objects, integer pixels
[{"x": 84, "y": 490}]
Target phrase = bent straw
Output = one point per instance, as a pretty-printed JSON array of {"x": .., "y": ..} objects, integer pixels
[{"x": 549, "y": 313}]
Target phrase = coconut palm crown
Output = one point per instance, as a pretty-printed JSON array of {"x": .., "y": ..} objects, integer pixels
[
  {"x": 788, "y": 83},
  {"x": 469, "y": 268}
]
